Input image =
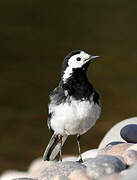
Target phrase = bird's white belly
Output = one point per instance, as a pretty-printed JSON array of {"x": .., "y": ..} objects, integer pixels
[{"x": 76, "y": 117}]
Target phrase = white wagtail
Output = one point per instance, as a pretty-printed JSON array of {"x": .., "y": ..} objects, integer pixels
[{"x": 74, "y": 105}]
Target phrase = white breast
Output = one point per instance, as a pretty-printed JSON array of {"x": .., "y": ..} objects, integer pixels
[{"x": 72, "y": 118}]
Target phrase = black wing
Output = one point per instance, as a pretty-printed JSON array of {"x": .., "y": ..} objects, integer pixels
[
  {"x": 57, "y": 96},
  {"x": 48, "y": 122}
]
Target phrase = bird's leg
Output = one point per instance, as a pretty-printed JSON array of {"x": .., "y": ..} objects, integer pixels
[
  {"x": 79, "y": 150},
  {"x": 60, "y": 151}
]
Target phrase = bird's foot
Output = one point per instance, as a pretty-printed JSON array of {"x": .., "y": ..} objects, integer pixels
[{"x": 80, "y": 160}]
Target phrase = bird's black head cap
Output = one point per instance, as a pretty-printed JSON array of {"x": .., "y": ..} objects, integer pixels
[{"x": 65, "y": 62}]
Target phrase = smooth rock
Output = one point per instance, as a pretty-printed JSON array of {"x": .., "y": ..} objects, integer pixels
[
  {"x": 123, "y": 173},
  {"x": 78, "y": 175},
  {"x": 103, "y": 165},
  {"x": 133, "y": 147},
  {"x": 37, "y": 166},
  {"x": 130, "y": 173},
  {"x": 116, "y": 150},
  {"x": 114, "y": 133},
  {"x": 61, "y": 169},
  {"x": 129, "y": 133},
  {"x": 23, "y": 179},
  {"x": 69, "y": 158},
  {"x": 114, "y": 176},
  {"x": 114, "y": 143},
  {"x": 130, "y": 157},
  {"x": 89, "y": 154},
  {"x": 61, "y": 177},
  {"x": 13, "y": 174}
]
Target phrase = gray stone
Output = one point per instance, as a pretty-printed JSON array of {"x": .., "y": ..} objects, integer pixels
[
  {"x": 130, "y": 157},
  {"x": 133, "y": 147},
  {"x": 114, "y": 143},
  {"x": 69, "y": 158},
  {"x": 61, "y": 177},
  {"x": 114, "y": 133},
  {"x": 115, "y": 150},
  {"x": 24, "y": 179},
  {"x": 60, "y": 169},
  {"x": 37, "y": 166},
  {"x": 130, "y": 174},
  {"x": 78, "y": 175},
  {"x": 114, "y": 176},
  {"x": 129, "y": 133},
  {"x": 14, "y": 174},
  {"x": 89, "y": 154},
  {"x": 103, "y": 165}
]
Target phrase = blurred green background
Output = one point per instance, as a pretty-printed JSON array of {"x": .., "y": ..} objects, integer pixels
[{"x": 35, "y": 36}]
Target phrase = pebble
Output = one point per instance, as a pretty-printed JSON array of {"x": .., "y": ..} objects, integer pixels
[
  {"x": 37, "y": 166},
  {"x": 61, "y": 177},
  {"x": 89, "y": 154},
  {"x": 133, "y": 147},
  {"x": 12, "y": 174},
  {"x": 116, "y": 150},
  {"x": 78, "y": 175},
  {"x": 114, "y": 133},
  {"x": 60, "y": 168},
  {"x": 123, "y": 173},
  {"x": 69, "y": 158},
  {"x": 22, "y": 179},
  {"x": 129, "y": 133},
  {"x": 103, "y": 165},
  {"x": 130, "y": 173},
  {"x": 114, "y": 143},
  {"x": 114, "y": 176},
  {"x": 130, "y": 157}
]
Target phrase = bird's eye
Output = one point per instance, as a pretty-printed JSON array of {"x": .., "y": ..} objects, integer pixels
[{"x": 78, "y": 58}]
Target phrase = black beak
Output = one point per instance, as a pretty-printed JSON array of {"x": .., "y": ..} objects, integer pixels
[
  {"x": 93, "y": 57},
  {"x": 86, "y": 65}
]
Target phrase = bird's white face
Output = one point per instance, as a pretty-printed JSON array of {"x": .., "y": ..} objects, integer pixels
[{"x": 78, "y": 60}]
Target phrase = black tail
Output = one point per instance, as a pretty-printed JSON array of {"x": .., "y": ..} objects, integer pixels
[
  {"x": 53, "y": 148},
  {"x": 53, "y": 141}
]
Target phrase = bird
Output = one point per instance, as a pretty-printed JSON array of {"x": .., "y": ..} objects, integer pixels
[{"x": 74, "y": 104}]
